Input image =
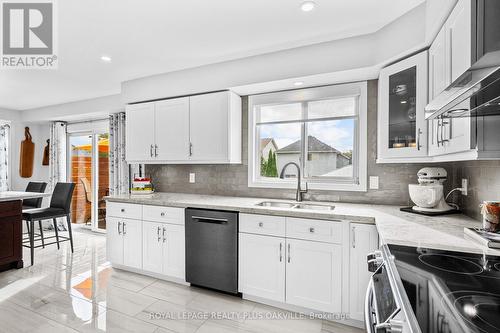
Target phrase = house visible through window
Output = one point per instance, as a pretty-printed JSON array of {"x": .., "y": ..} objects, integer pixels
[{"x": 318, "y": 129}]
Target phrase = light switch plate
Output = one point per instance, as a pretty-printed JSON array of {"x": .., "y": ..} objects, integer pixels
[
  {"x": 374, "y": 183},
  {"x": 192, "y": 177}
]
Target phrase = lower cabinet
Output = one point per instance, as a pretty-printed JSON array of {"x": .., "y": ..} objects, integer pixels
[
  {"x": 300, "y": 272},
  {"x": 262, "y": 266},
  {"x": 163, "y": 249},
  {"x": 124, "y": 242},
  {"x": 363, "y": 241},
  {"x": 314, "y": 275}
]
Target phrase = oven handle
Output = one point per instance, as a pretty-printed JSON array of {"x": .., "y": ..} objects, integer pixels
[{"x": 368, "y": 310}]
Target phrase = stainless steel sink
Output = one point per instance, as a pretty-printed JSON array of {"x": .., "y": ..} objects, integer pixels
[
  {"x": 276, "y": 204},
  {"x": 314, "y": 207},
  {"x": 295, "y": 205}
]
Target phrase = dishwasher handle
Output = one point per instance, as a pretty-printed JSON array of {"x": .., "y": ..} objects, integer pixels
[{"x": 210, "y": 220}]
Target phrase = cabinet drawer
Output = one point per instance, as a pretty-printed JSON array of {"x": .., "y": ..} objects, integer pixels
[
  {"x": 124, "y": 210},
  {"x": 317, "y": 230},
  {"x": 163, "y": 214},
  {"x": 263, "y": 224}
]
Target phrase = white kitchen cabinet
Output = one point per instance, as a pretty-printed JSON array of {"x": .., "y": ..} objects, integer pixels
[
  {"x": 262, "y": 266},
  {"x": 140, "y": 134},
  {"x": 439, "y": 71},
  {"x": 163, "y": 249},
  {"x": 198, "y": 129},
  {"x": 402, "y": 128},
  {"x": 314, "y": 275},
  {"x": 215, "y": 133},
  {"x": 174, "y": 264},
  {"x": 124, "y": 242},
  {"x": 458, "y": 28},
  {"x": 364, "y": 240},
  {"x": 172, "y": 129},
  {"x": 114, "y": 240},
  {"x": 152, "y": 247}
]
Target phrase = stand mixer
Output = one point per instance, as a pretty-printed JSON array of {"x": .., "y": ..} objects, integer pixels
[{"x": 428, "y": 194}]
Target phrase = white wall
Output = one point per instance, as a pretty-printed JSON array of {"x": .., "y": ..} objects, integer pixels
[{"x": 40, "y": 134}]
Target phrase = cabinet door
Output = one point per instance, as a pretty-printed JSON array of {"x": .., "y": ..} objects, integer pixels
[
  {"x": 152, "y": 247},
  {"x": 457, "y": 132},
  {"x": 114, "y": 240},
  {"x": 132, "y": 243},
  {"x": 459, "y": 35},
  {"x": 439, "y": 74},
  {"x": 262, "y": 266},
  {"x": 140, "y": 120},
  {"x": 172, "y": 129},
  {"x": 364, "y": 240},
  {"x": 402, "y": 129},
  {"x": 174, "y": 263},
  {"x": 209, "y": 121},
  {"x": 314, "y": 275}
]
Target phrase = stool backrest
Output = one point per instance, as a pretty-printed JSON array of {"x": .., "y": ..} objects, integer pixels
[
  {"x": 38, "y": 187},
  {"x": 61, "y": 197}
]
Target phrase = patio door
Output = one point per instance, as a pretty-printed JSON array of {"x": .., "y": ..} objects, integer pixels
[{"x": 88, "y": 165}]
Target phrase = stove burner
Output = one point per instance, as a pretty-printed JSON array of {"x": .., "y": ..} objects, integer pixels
[
  {"x": 451, "y": 264},
  {"x": 479, "y": 309}
]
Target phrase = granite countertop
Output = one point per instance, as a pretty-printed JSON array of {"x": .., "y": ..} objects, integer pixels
[{"x": 394, "y": 227}]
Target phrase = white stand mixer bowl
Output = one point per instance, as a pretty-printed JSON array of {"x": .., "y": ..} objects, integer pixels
[{"x": 426, "y": 196}]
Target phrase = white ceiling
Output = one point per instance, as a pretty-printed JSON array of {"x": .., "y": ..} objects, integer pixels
[{"x": 146, "y": 37}]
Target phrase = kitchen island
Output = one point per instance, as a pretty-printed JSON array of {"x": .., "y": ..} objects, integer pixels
[{"x": 11, "y": 228}]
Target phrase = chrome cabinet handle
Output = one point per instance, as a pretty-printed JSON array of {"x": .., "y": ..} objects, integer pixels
[
  {"x": 311, "y": 230},
  {"x": 190, "y": 149},
  {"x": 442, "y": 131},
  {"x": 124, "y": 229},
  {"x": 151, "y": 151},
  {"x": 162, "y": 214},
  {"x": 163, "y": 234},
  {"x": 156, "y": 150},
  {"x": 419, "y": 132},
  {"x": 288, "y": 252},
  {"x": 353, "y": 237},
  {"x": 158, "y": 234},
  {"x": 261, "y": 224},
  {"x": 122, "y": 210},
  {"x": 119, "y": 225},
  {"x": 281, "y": 252},
  {"x": 437, "y": 131}
]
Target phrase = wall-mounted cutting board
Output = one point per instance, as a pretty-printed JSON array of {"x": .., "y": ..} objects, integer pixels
[
  {"x": 27, "y": 155},
  {"x": 46, "y": 152}
]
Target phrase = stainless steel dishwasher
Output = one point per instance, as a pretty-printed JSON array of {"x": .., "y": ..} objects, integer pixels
[{"x": 212, "y": 249}]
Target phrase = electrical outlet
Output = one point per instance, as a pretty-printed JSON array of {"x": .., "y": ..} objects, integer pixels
[
  {"x": 465, "y": 184},
  {"x": 374, "y": 183},
  {"x": 192, "y": 177}
]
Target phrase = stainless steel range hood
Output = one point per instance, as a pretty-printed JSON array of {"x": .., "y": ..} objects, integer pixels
[
  {"x": 474, "y": 93},
  {"x": 477, "y": 91}
]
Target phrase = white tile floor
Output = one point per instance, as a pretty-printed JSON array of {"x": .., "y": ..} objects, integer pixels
[{"x": 83, "y": 293}]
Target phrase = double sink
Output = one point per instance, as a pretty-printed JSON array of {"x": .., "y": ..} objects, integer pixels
[{"x": 295, "y": 205}]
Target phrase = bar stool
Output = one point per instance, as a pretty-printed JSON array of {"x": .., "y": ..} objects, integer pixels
[
  {"x": 60, "y": 206},
  {"x": 38, "y": 187}
]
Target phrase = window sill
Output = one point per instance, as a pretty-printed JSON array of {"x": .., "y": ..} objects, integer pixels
[{"x": 312, "y": 186}]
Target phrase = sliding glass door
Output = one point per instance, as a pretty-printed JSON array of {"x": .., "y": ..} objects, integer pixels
[{"x": 88, "y": 154}]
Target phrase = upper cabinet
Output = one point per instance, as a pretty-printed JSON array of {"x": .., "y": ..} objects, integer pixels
[
  {"x": 402, "y": 129},
  {"x": 197, "y": 129}
]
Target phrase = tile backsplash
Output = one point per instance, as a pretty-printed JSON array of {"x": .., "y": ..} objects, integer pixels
[{"x": 233, "y": 179}]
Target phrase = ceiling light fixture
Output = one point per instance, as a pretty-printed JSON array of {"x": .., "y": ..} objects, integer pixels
[
  {"x": 106, "y": 58},
  {"x": 307, "y": 6},
  {"x": 298, "y": 83},
  {"x": 403, "y": 102}
]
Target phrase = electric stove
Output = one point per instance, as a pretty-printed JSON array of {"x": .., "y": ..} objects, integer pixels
[{"x": 433, "y": 291}]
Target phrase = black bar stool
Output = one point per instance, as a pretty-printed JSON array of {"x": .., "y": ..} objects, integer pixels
[
  {"x": 38, "y": 187},
  {"x": 60, "y": 206}
]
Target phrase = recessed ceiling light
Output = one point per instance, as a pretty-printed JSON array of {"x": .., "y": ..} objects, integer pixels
[
  {"x": 106, "y": 58},
  {"x": 403, "y": 102},
  {"x": 298, "y": 83},
  {"x": 307, "y": 6}
]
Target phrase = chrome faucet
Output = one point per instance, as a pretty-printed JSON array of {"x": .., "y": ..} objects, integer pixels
[{"x": 300, "y": 192}]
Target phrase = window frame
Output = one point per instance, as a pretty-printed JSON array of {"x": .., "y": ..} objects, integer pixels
[{"x": 358, "y": 89}]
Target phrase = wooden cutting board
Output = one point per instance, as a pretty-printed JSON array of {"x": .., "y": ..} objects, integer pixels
[
  {"x": 46, "y": 157},
  {"x": 27, "y": 155}
]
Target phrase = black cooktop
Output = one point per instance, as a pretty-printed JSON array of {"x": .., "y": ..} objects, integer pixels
[{"x": 450, "y": 292}]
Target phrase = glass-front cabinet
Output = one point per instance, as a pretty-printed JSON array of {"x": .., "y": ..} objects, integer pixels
[{"x": 402, "y": 129}]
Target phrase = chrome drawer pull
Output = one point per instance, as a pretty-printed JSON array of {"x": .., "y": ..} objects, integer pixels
[
  {"x": 164, "y": 238},
  {"x": 162, "y": 214},
  {"x": 158, "y": 234},
  {"x": 311, "y": 230},
  {"x": 122, "y": 210},
  {"x": 281, "y": 252},
  {"x": 261, "y": 224},
  {"x": 119, "y": 225}
]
